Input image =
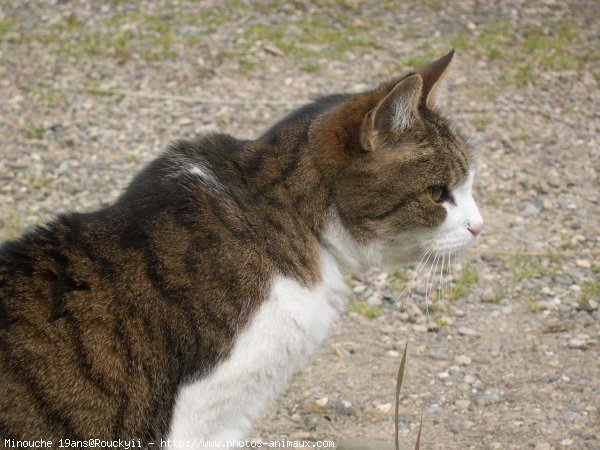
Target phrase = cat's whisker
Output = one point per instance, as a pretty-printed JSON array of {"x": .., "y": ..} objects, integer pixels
[
  {"x": 440, "y": 298},
  {"x": 447, "y": 280},
  {"x": 430, "y": 298},
  {"x": 428, "y": 284},
  {"x": 418, "y": 268},
  {"x": 413, "y": 283},
  {"x": 430, "y": 248},
  {"x": 450, "y": 270},
  {"x": 417, "y": 272},
  {"x": 441, "y": 282}
]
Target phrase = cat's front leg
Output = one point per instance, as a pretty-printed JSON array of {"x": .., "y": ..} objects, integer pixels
[
  {"x": 211, "y": 412},
  {"x": 283, "y": 333}
]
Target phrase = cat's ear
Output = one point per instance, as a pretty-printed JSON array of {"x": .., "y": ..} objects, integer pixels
[
  {"x": 433, "y": 75},
  {"x": 395, "y": 113}
]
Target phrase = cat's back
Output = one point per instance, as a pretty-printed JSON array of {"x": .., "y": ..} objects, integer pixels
[
  {"x": 103, "y": 315},
  {"x": 55, "y": 322}
]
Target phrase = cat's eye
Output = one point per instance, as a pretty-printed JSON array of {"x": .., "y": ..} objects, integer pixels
[{"x": 438, "y": 193}]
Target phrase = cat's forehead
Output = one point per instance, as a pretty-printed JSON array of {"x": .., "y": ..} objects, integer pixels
[{"x": 451, "y": 153}]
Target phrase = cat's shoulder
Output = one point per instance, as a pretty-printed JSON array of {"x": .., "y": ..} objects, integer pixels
[
  {"x": 205, "y": 145},
  {"x": 307, "y": 112}
]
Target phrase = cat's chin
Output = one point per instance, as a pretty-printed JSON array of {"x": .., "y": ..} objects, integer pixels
[
  {"x": 390, "y": 261},
  {"x": 450, "y": 250}
]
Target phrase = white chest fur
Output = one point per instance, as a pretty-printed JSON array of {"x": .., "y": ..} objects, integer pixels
[{"x": 287, "y": 328}]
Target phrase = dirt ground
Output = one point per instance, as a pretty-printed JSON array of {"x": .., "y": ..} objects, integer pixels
[{"x": 505, "y": 354}]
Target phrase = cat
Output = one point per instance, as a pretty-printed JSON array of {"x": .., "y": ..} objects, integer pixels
[{"x": 178, "y": 312}]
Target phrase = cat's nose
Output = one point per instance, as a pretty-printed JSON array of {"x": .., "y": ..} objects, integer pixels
[{"x": 475, "y": 229}]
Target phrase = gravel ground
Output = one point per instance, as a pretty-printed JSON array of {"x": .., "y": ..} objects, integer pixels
[{"x": 505, "y": 354}]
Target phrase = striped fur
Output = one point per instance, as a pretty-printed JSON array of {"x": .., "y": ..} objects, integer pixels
[{"x": 106, "y": 316}]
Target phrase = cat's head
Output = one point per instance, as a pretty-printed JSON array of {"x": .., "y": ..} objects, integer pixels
[{"x": 404, "y": 175}]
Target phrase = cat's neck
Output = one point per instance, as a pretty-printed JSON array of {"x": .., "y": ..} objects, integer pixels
[
  {"x": 350, "y": 254},
  {"x": 286, "y": 170}
]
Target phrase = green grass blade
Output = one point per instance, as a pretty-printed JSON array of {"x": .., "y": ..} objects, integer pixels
[
  {"x": 419, "y": 433},
  {"x": 398, "y": 387}
]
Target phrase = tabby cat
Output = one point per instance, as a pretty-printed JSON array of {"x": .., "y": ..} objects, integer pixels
[{"x": 180, "y": 310}]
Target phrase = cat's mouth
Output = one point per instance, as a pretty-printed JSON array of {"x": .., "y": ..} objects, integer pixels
[
  {"x": 454, "y": 245},
  {"x": 425, "y": 250}
]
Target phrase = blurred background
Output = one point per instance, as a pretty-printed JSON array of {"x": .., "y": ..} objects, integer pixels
[{"x": 504, "y": 353}]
